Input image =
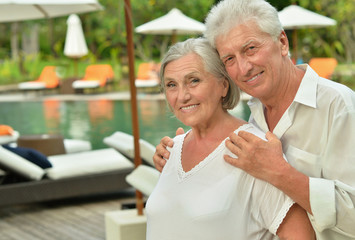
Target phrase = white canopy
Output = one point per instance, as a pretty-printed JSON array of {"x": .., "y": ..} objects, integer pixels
[
  {"x": 174, "y": 22},
  {"x": 296, "y": 17},
  {"x": 21, "y": 10}
]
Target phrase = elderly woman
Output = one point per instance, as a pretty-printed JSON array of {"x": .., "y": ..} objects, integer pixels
[{"x": 199, "y": 195}]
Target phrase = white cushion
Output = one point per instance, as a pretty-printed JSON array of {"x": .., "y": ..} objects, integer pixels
[
  {"x": 4, "y": 139},
  {"x": 84, "y": 163},
  {"x": 144, "y": 179},
  {"x": 146, "y": 83},
  {"x": 20, "y": 165},
  {"x": 77, "y": 84},
  {"x": 76, "y": 145},
  {"x": 124, "y": 143},
  {"x": 31, "y": 85}
]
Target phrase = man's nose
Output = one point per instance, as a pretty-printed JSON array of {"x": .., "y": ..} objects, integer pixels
[{"x": 243, "y": 65}]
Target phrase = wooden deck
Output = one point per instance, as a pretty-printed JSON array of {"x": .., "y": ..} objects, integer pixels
[{"x": 73, "y": 219}]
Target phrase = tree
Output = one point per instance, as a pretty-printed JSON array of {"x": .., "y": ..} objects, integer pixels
[{"x": 338, "y": 41}]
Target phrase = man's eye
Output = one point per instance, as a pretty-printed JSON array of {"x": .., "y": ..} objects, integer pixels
[
  {"x": 170, "y": 85},
  {"x": 251, "y": 50},
  {"x": 227, "y": 60},
  {"x": 195, "y": 80}
]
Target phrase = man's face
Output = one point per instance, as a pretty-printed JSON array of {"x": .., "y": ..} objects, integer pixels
[{"x": 253, "y": 59}]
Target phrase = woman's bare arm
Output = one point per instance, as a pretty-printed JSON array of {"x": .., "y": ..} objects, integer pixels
[{"x": 296, "y": 225}]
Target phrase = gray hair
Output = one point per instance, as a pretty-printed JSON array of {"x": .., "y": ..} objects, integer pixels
[
  {"x": 211, "y": 62},
  {"x": 230, "y": 13}
]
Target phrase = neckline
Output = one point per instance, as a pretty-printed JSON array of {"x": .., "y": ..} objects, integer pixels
[{"x": 184, "y": 175}]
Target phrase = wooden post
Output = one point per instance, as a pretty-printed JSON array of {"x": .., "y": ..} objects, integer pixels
[{"x": 130, "y": 52}]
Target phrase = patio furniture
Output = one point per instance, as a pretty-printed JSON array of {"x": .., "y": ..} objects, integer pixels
[
  {"x": 324, "y": 67},
  {"x": 53, "y": 144},
  {"x": 147, "y": 75},
  {"x": 47, "y": 80},
  {"x": 8, "y": 134},
  {"x": 81, "y": 174},
  {"x": 96, "y": 76},
  {"x": 145, "y": 176},
  {"x": 48, "y": 144}
]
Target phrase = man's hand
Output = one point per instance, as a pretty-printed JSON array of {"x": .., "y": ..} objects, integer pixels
[
  {"x": 264, "y": 160},
  {"x": 161, "y": 153},
  {"x": 261, "y": 159}
]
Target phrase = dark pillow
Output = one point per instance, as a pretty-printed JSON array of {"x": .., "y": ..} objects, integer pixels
[{"x": 31, "y": 155}]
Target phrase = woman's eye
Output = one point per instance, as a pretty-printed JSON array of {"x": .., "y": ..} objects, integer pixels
[{"x": 194, "y": 81}]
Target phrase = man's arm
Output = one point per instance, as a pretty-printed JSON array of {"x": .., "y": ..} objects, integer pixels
[
  {"x": 330, "y": 200},
  {"x": 161, "y": 153}
]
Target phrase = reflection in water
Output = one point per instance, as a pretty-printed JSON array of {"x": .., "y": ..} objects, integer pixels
[
  {"x": 51, "y": 111},
  {"x": 76, "y": 121},
  {"x": 100, "y": 110},
  {"x": 94, "y": 120}
]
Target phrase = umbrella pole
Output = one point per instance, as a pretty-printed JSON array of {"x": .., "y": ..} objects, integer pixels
[
  {"x": 75, "y": 67},
  {"x": 130, "y": 51},
  {"x": 295, "y": 43},
  {"x": 173, "y": 37}
]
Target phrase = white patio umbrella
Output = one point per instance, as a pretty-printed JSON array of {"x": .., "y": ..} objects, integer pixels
[
  {"x": 295, "y": 17},
  {"x": 75, "y": 45},
  {"x": 173, "y": 23},
  {"x": 22, "y": 10}
]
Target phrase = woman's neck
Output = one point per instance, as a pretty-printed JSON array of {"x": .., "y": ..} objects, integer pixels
[{"x": 201, "y": 141}]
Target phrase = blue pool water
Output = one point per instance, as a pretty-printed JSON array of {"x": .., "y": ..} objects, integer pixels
[{"x": 94, "y": 120}]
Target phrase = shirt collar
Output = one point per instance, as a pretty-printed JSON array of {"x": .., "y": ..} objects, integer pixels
[{"x": 307, "y": 91}]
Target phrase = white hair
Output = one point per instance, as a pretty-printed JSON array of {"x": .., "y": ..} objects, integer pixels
[{"x": 230, "y": 13}]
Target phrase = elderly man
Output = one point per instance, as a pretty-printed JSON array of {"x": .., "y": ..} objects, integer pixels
[{"x": 310, "y": 118}]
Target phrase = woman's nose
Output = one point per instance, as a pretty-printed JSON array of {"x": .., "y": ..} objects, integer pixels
[{"x": 184, "y": 94}]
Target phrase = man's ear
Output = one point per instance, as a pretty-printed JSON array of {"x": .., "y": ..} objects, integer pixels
[{"x": 284, "y": 43}]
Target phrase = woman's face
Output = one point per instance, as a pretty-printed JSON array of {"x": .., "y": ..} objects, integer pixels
[{"x": 194, "y": 95}]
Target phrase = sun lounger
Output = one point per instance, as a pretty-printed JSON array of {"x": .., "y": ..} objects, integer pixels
[
  {"x": 143, "y": 178},
  {"x": 47, "y": 80},
  {"x": 8, "y": 134},
  {"x": 147, "y": 75},
  {"x": 96, "y": 76},
  {"x": 71, "y": 175},
  {"x": 124, "y": 143}
]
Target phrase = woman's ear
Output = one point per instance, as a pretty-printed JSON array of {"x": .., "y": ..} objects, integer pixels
[{"x": 225, "y": 87}]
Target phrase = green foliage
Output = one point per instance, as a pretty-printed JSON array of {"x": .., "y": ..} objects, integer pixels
[
  {"x": 105, "y": 33},
  {"x": 337, "y": 41}
]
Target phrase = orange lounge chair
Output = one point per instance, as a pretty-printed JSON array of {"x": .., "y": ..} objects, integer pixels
[
  {"x": 147, "y": 75},
  {"x": 324, "y": 67},
  {"x": 47, "y": 80},
  {"x": 97, "y": 75}
]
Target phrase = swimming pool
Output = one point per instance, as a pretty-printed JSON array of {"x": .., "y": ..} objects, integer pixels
[{"x": 92, "y": 120}]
